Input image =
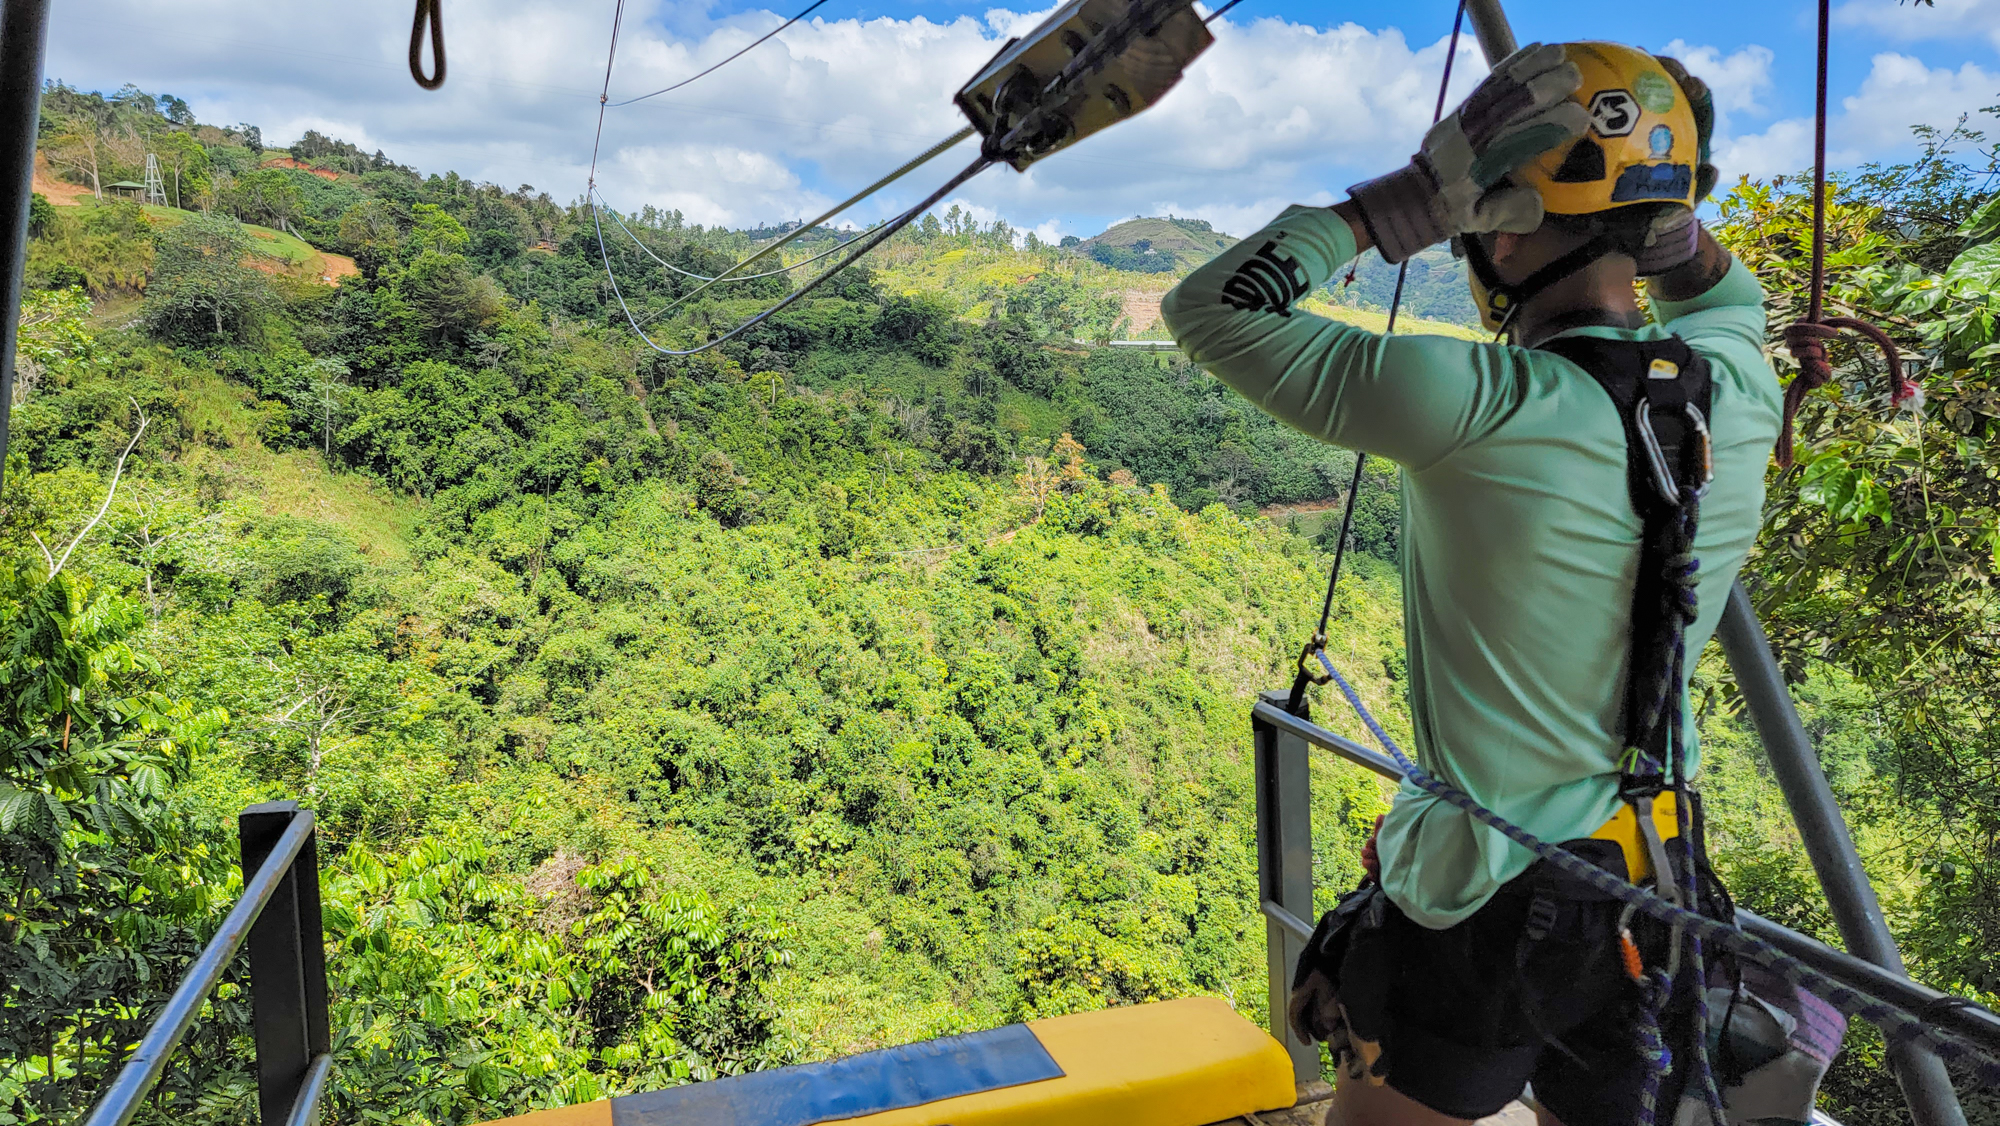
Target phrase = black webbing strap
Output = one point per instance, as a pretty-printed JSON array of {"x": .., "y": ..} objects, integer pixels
[{"x": 1653, "y": 384}]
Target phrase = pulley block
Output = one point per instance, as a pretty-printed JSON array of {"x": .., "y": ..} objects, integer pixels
[{"x": 1091, "y": 64}]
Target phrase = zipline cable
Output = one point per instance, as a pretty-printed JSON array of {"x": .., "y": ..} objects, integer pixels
[
  {"x": 611, "y": 55},
  {"x": 725, "y": 62},
  {"x": 1361, "y": 459},
  {"x": 868, "y": 243},
  {"x": 803, "y": 229},
  {"x": 613, "y": 212}
]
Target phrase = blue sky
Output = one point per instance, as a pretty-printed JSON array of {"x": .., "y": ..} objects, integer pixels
[{"x": 1294, "y": 101}]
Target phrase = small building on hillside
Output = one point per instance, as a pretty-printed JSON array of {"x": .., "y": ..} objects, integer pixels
[{"x": 126, "y": 189}]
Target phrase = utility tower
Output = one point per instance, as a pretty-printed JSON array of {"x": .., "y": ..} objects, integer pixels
[{"x": 156, "y": 189}]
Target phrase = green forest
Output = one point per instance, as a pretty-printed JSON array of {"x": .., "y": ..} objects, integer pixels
[{"x": 878, "y": 675}]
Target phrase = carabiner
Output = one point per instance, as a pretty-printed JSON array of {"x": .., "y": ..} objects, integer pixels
[
  {"x": 1656, "y": 459},
  {"x": 1700, "y": 425}
]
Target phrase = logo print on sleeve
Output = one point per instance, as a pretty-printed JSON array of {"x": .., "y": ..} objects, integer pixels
[{"x": 1267, "y": 281}]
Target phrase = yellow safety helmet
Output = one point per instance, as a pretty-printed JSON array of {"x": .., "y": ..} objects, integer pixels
[
  {"x": 1647, "y": 147},
  {"x": 1644, "y": 145}
]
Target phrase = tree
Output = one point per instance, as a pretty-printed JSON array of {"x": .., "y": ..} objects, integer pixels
[
  {"x": 51, "y": 334},
  {"x": 88, "y": 755},
  {"x": 267, "y": 196},
  {"x": 369, "y": 231},
  {"x": 325, "y": 398},
  {"x": 75, "y": 146},
  {"x": 186, "y": 164},
  {"x": 201, "y": 289}
]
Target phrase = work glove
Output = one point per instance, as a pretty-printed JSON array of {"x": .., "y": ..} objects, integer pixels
[
  {"x": 1676, "y": 234},
  {"x": 1457, "y": 184},
  {"x": 1314, "y": 1012}
]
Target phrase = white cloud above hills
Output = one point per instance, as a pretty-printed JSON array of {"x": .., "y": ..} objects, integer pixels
[{"x": 1275, "y": 112}]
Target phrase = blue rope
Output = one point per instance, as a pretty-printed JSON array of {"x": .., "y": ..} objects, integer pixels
[{"x": 1897, "y": 1025}]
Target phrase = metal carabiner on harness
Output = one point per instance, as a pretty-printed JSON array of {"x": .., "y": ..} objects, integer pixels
[{"x": 1656, "y": 458}]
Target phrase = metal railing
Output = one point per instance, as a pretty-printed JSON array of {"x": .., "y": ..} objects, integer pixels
[
  {"x": 1283, "y": 746},
  {"x": 278, "y": 916}
]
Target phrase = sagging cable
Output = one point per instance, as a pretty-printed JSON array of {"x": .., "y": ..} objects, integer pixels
[
  {"x": 724, "y": 276},
  {"x": 718, "y": 66},
  {"x": 869, "y": 242},
  {"x": 802, "y": 229}
]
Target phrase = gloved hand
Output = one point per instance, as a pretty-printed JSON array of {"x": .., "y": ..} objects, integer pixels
[
  {"x": 1676, "y": 234},
  {"x": 1457, "y": 183},
  {"x": 1314, "y": 1012}
]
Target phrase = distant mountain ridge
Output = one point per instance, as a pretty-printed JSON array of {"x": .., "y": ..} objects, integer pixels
[
  {"x": 1436, "y": 289},
  {"x": 1154, "y": 245}
]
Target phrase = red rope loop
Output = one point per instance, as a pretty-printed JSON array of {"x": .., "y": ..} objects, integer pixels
[{"x": 1806, "y": 340}]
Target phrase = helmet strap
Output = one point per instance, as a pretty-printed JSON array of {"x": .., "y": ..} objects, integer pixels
[{"x": 1520, "y": 293}]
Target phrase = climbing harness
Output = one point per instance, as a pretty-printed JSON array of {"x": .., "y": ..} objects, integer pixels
[
  {"x": 1663, "y": 393},
  {"x": 1088, "y": 65},
  {"x": 429, "y": 12},
  {"x": 1807, "y": 339}
]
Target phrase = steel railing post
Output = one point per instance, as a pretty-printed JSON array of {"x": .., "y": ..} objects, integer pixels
[
  {"x": 287, "y": 968},
  {"x": 1849, "y": 895},
  {"x": 24, "y": 26},
  {"x": 1284, "y": 871},
  {"x": 1489, "y": 26}
]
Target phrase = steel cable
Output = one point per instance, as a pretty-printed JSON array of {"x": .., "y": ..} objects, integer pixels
[
  {"x": 1361, "y": 459},
  {"x": 725, "y": 62},
  {"x": 802, "y": 229},
  {"x": 868, "y": 243}
]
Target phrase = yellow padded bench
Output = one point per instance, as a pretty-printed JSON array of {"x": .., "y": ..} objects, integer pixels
[{"x": 1171, "y": 1063}]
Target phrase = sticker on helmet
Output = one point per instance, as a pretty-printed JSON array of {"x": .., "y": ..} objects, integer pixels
[
  {"x": 1660, "y": 142},
  {"x": 1613, "y": 113},
  {"x": 1656, "y": 91},
  {"x": 1653, "y": 181}
]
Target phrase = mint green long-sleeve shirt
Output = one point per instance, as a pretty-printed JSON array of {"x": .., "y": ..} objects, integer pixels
[{"x": 1520, "y": 545}]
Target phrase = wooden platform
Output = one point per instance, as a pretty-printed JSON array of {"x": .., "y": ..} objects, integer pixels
[{"x": 1311, "y": 1111}]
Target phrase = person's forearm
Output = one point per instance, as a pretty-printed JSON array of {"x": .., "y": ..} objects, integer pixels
[
  {"x": 1697, "y": 275},
  {"x": 1363, "y": 242}
]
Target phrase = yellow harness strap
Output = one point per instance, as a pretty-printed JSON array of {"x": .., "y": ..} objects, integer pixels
[{"x": 1624, "y": 829}]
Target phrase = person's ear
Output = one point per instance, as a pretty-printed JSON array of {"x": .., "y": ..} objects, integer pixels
[{"x": 1505, "y": 244}]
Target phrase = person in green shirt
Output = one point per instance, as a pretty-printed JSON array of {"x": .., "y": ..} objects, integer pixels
[{"x": 1572, "y": 170}]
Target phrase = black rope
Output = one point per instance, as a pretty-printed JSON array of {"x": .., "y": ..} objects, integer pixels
[
  {"x": 725, "y": 62},
  {"x": 431, "y": 12},
  {"x": 1318, "y": 641}
]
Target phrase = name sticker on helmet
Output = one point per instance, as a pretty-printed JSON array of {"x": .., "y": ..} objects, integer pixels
[
  {"x": 1613, "y": 113},
  {"x": 1654, "y": 181}
]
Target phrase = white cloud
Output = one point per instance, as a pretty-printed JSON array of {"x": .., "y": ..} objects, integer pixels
[
  {"x": 1899, "y": 92},
  {"x": 1275, "y": 111},
  {"x": 1738, "y": 80},
  {"x": 1941, "y": 19}
]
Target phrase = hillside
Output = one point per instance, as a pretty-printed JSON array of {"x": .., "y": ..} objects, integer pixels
[
  {"x": 1155, "y": 246},
  {"x": 879, "y": 674}
]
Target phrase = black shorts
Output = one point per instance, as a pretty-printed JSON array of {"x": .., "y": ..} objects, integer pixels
[{"x": 1469, "y": 1015}]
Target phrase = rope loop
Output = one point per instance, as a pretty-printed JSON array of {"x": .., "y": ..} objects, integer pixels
[
  {"x": 1807, "y": 340},
  {"x": 428, "y": 12}
]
